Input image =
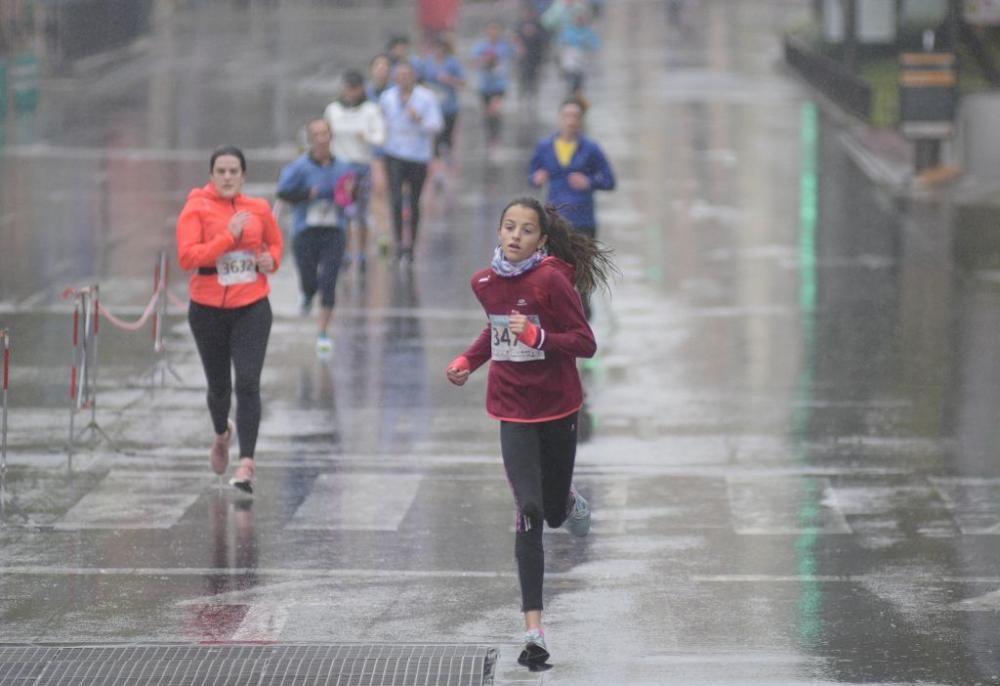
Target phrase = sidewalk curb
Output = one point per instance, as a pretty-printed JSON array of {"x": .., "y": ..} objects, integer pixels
[
  {"x": 973, "y": 201},
  {"x": 885, "y": 173}
]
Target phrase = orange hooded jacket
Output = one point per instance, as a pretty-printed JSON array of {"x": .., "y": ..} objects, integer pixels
[{"x": 203, "y": 236}]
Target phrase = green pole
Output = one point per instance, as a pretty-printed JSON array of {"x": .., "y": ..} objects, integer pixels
[
  {"x": 3, "y": 90},
  {"x": 24, "y": 73}
]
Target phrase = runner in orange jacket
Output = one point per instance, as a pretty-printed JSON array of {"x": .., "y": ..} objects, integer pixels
[{"x": 230, "y": 242}]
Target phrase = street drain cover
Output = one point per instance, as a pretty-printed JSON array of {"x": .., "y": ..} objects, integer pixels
[{"x": 241, "y": 664}]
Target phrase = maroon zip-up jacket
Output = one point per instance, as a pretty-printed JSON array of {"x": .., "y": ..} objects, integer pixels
[{"x": 532, "y": 378}]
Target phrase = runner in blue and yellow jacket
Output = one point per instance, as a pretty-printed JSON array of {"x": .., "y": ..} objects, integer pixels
[{"x": 574, "y": 167}]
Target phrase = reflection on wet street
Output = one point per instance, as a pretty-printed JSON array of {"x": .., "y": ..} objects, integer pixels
[{"x": 794, "y": 404}]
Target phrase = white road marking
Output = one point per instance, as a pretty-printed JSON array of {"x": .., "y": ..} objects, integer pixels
[
  {"x": 345, "y": 502},
  {"x": 263, "y": 622},
  {"x": 135, "y": 500}
]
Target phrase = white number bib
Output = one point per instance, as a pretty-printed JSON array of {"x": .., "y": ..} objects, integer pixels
[
  {"x": 238, "y": 266},
  {"x": 321, "y": 213},
  {"x": 505, "y": 346}
]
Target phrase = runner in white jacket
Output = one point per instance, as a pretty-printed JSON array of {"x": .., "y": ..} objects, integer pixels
[{"x": 359, "y": 129}]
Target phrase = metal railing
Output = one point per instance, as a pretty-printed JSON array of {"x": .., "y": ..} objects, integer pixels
[{"x": 830, "y": 77}]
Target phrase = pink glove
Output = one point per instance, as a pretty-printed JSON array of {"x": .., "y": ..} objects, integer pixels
[
  {"x": 531, "y": 334},
  {"x": 459, "y": 370}
]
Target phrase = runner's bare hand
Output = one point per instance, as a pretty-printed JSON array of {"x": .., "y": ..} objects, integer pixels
[
  {"x": 517, "y": 321},
  {"x": 458, "y": 376},
  {"x": 265, "y": 261},
  {"x": 238, "y": 222},
  {"x": 578, "y": 181}
]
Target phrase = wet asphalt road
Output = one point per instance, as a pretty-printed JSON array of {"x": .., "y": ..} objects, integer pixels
[{"x": 793, "y": 466}]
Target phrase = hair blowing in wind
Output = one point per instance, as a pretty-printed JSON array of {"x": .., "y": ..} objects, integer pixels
[{"x": 591, "y": 261}]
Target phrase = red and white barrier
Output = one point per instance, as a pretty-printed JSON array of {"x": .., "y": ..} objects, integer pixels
[
  {"x": 83, "y": 373},
  {"x": 151, "y": 310},
  {"x": 87, "y": 311},
  {"x": 160, "y": 291},
  {"x": 8, "y": 506},
  {"x": 161, "y": 296}
]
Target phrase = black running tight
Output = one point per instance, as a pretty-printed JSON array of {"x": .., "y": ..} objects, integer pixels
[
  {"x": 538, "y": 459},
  {"x": 402, "y": 172},
  {"x": 234, "y": 338}
]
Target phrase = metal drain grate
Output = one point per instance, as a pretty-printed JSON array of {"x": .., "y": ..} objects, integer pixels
[{"x": 264, "y": 665}]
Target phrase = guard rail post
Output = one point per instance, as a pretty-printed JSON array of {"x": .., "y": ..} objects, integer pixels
[
  {"x": 161, "y": 366},
  {"x": 83, "y": 374}
]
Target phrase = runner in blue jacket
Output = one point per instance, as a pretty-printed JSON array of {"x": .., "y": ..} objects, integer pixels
[{"x": 574, "y": 167}]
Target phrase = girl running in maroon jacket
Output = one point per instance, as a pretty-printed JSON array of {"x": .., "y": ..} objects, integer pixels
[{"x": 536, "y": 331}]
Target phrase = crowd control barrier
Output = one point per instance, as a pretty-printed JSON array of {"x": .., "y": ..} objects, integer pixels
[
  {"x": 83, "y": 371},
  {"x": 87, "y": 312},
  {"x": 161, "y": 294},
  {"x": 10, "y": 512}
]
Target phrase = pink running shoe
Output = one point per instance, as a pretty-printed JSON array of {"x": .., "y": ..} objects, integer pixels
[
  {"x": 243, "y": 476},
  {"x": 219, "y": 455}
]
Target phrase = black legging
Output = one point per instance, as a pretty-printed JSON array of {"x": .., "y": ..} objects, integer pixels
[
  {"x": 401, "y": 172},
  {"x": 236, "y": 337},
  {"x": 444, "y": 141},
  {"x": 538, "y": 459},
  {"x": 319, "y": 250}
]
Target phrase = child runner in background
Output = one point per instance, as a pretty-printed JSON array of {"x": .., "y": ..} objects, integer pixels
[
  {"x": 536, "y": 330},
  {"x": 532, "y": 41},
  {"x": 444, "y": 74},
  {"x": 577, "y": 42},
  {"x": 494, "y": 55}
]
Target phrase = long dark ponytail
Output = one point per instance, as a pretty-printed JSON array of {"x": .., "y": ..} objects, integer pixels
[{"x": 589, "y": 258}]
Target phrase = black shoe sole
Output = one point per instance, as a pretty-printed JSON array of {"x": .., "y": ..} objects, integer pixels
[
  {"x": 533, "y": 655},
  {"x": 242, "y": 486}
]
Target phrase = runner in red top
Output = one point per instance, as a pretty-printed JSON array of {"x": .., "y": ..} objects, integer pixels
[{"x": 536, "y": 330}]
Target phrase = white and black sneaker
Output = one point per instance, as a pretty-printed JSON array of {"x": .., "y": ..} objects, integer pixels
[
  {"x": 534, "y": 652},
  {"x": 578, "y": 514}
]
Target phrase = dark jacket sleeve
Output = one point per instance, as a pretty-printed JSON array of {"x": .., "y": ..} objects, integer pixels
[
  {"x": 537, "y": 161},
  {"x": 602, "y": 177}
]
